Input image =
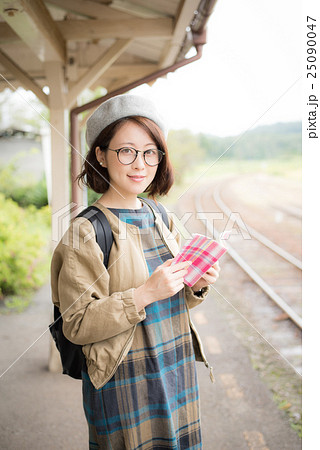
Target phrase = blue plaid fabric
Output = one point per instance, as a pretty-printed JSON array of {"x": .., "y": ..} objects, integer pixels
[{"x": 152, "y": 401}]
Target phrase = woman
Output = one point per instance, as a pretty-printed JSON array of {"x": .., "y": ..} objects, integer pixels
[{"x": 139, "y": 385}]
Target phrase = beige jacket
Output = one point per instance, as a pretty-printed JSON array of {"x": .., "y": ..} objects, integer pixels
[{"x": 98, "y": 309}]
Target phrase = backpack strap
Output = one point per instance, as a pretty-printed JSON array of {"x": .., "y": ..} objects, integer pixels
[
  {"x": 158, "y": 208},
  {"x": 102, "y": 229}
]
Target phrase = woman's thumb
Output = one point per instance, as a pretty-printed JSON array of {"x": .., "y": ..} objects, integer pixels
[{"x": 168, "y": 262}]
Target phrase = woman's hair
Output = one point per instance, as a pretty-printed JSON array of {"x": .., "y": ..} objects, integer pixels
[{"x": 97, "y": 178}]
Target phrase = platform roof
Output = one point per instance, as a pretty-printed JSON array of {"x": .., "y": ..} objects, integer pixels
[{"x": 99, "y": 43}]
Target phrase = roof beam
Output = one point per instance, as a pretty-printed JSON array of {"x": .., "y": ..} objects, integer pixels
[
  {"x": 36, "y": 75},
  {"x": 116, "y": 84},
  {"x": 119, "y": 70},
  {"x": 88, "y": 8},
  {"x": 98, "y": 69},
  {"x": 183, "y": 20},
  {"x": 83, "y": 30},
  {"x": 120, "y": 79},
  {"x": 23, "y": 77},
  {"x": 7, "y": 35},
  {"x": 136, "y": 10},
  {"x": 32, "y": 22},
  {"x": 54, "y": 71},
  {"x": 80, "y": 30}
]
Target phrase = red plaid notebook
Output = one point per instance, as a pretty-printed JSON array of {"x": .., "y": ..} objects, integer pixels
[{"x": 202, "y": 252}]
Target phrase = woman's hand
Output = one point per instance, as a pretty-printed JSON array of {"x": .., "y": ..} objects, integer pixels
[
  {"x": 165, "y": 281},
  {"x": 209, "y": 277}
]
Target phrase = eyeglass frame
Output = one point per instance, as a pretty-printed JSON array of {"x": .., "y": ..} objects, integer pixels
[{"x": 137, "y": 151}]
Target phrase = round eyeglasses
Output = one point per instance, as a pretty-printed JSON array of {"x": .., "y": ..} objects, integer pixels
[{"x": 127, "y": 155}]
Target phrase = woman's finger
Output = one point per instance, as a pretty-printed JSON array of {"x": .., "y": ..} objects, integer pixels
[
  {"x": 216, "y": 266},
  {"x": 211, "y": 276},
  {"x": 167, "y": 263},
  {"x": 180, "y": 266},
  {"x": 178, "y": 275},
  {"x": 211, "y": 272}
]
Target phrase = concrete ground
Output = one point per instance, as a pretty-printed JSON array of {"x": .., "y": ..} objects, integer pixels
[
  {"x": 39, "y": 409},
  {"x": 43, "y": 410},
  {"x": 238, "y": 411}
]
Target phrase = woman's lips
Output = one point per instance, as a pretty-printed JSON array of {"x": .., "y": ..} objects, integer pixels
[{"x": 136, "y": 178}]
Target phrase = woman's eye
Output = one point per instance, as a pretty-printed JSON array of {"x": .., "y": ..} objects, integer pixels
[
  {"x": 150, "y": 152},
  {"x": 127, "y": 151}
]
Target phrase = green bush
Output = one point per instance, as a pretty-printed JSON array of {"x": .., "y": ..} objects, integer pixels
[
  {"x": 92, "y": 196},
  {"x": 24, "y": 247},
  {"x": 32, "y": 194},
  {"x": 25, "y": 192}
]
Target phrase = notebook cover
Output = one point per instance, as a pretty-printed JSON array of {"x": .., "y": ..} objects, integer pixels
[{"x": 202, "y": 252}]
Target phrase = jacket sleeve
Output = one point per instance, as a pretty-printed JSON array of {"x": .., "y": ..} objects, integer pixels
[
  {"x": 191, "y": 299},
  {"x": 80, "y": 288}
]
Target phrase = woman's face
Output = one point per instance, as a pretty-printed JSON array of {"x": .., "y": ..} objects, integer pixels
[{"x": 132, "y": 179}]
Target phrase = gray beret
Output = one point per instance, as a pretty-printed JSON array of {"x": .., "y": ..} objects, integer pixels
[{"x": 117, "y": 108}]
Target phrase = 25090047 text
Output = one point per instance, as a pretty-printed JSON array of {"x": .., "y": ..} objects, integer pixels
[{"x": 313, "y": 101}]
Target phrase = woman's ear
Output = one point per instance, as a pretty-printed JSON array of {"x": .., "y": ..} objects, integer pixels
[{"x": 100, "y": 155}]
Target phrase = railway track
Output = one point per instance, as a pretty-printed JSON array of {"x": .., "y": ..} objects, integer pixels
[
  {"x": 272, "y": 307},
  {"x": 289, "y": 210},
  {"x": 264, "y": 203},
  {"x": 242, "y": 247},
  {"x": 254, "y": 233}
]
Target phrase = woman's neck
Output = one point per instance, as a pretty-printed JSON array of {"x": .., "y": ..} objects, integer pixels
[{"x": 111, "y": 201}]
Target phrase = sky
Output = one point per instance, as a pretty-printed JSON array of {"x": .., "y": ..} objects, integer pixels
[{"x": 249, "y": 73}]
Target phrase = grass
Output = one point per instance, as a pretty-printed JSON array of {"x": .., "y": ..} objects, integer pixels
[
  {"x": 210, "y": 171},
  {"x": 289, "y": 168}
]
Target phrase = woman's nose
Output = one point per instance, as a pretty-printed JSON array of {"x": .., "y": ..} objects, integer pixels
[{"x": 139, "y": 161}]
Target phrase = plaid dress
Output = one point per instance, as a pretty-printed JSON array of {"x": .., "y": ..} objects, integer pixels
[{"x": 152, "y": 401}]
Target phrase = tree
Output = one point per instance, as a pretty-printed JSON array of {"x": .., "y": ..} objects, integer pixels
[{"x": 185, "y": 152}]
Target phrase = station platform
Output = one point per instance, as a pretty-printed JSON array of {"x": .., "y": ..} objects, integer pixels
[{"x": 41, "y": 410}]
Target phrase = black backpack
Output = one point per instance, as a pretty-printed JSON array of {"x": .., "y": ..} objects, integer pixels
[{"x": 72, "y": 357}]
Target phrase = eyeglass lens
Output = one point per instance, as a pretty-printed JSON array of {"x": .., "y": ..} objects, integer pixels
[{"x": 152, "y": 157}]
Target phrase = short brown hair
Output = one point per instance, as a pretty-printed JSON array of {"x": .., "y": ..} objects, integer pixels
[{"x": 97, "y": 178}]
